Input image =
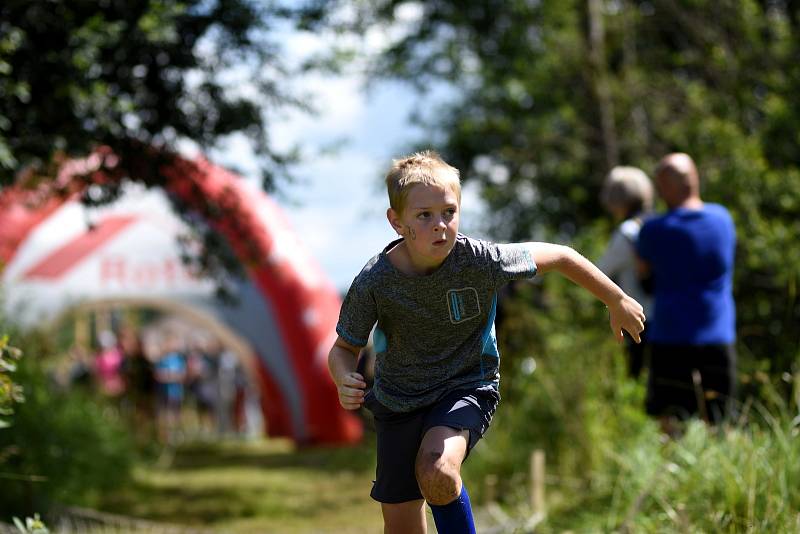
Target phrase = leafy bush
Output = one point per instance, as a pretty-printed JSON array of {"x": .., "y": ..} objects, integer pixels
[
  {"x": 62, "y": 446},
  {"x": 10, "y": 392},
  {"x": 32, "y": 525}
]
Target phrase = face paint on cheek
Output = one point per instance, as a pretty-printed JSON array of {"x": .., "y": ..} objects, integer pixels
[{"x": 412, "y": 233}]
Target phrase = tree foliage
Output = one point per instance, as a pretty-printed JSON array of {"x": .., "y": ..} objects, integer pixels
[
  {"x": 134, "y": 74},
  {"x": 552, "y": 94},
  {"x": 130, "y": 81}
]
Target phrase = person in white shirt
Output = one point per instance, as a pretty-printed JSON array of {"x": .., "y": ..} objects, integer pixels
[{"x": 627, "y": 195}]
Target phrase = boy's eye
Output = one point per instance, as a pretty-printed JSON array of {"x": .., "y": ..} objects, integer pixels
[
  {"x": 449, "y": 213},
  {"x": 423, "y": 215}
]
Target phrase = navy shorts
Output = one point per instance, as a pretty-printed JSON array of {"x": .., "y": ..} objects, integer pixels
[{"x": 400, "y": 434}]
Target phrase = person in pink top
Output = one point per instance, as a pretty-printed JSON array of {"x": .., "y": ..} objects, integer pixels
[{"x": 108, "y": 366}]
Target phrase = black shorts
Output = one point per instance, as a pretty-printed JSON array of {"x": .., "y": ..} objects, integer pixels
[
  {"x": 399, "y": 436},
  {"x": 673, "y": 388}
]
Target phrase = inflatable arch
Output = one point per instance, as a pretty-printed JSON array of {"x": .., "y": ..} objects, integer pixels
[{"x": 57, "y": 254}]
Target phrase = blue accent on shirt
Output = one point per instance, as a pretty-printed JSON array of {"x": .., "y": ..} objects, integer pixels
[
  {"x": 691, "y": 254},
  {"x": 489, "y": 337},
  {"x": 455, "y": 307},
  {"x": 531, "y": 263},
  {"x": 379, "y": 342}
]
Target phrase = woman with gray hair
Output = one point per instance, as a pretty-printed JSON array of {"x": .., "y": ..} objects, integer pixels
[{"x": 627, "y": 195}]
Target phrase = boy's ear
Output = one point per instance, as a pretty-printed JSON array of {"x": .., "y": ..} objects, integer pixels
[{"x": 394, "y": 220}]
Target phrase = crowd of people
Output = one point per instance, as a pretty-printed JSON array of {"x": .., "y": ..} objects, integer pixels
[{"x": 169, "y": 385}]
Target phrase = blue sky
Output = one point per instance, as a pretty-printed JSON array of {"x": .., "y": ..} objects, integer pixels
[{"x": 338, "y": 204}]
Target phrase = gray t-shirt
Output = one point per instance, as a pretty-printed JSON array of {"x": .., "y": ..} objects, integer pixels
[{"x": 434, "y": 333}]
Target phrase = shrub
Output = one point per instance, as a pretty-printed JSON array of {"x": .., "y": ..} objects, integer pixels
[
  {"x": 10, "y": 392},
  {"x": 62, "y": 447}
]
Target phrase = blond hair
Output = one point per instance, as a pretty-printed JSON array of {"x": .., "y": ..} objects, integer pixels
[
  {"x": 425, "y": 167},
  {"x": 628, "y": 188}
]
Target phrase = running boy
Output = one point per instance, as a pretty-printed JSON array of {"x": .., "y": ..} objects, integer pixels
[{"x": 432, "y": 294}]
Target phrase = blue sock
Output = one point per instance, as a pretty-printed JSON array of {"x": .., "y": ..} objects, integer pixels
[{"x": 454, "y": 517}]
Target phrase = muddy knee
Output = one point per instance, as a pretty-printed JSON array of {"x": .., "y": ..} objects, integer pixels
[{"x": 439, "y": 479}]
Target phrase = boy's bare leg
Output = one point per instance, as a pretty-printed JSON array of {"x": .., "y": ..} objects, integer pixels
[
  {"x": 438, "y": 466},
  {"x": 404, "y": 518}
]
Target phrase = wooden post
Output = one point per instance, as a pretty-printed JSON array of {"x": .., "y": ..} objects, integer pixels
[
  {"x": 537, "y": 482},
  {"x": 491, "y": 488}
]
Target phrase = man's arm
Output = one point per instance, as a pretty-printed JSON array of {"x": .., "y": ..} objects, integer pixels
[
  {"x": 342, "y": 362},
  {"x": 625, "y": 313}
]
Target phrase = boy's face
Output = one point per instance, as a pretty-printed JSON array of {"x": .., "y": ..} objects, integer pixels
[{"x": 429, "y": 224}]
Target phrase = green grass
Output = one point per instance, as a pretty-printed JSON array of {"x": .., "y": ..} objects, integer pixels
[
  {"x": 734, "y": 480},
  {"x": 264, "y": 486},
  {"x": 740, "y": 479}
]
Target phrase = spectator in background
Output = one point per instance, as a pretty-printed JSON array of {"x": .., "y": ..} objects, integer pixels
[
  {"x": 228, "y": 380},
  {"x": 689, "y": 251},
  {"x": 170, "y": 373},
  {"x": 627, "y": 195},
  {"x": 108, "y": 366},
  {"x": 140, "y": 379},
  {"x": 201, "y": 383},
  {"x": 80, "y": 369}
]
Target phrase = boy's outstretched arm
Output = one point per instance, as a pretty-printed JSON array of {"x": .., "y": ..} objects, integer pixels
[
  {"x": 624, "y": 312},
  {"x": 342, "y": 361}
]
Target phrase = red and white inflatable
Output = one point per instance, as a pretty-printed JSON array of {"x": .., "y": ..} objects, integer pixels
[{"x": 57, "y": 254}]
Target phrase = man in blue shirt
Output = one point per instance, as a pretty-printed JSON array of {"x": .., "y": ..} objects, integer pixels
[{"x": 689, "y": 252}]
